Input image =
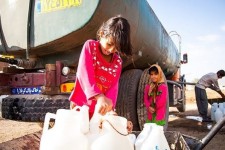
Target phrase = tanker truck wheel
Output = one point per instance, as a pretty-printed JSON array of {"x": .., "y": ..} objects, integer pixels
[
  {"x": 32, "y": 108},
  {"x": 182, "y": 105},
  {"x": 141, "y": 109},
  {"x": 126, "y": 102}
]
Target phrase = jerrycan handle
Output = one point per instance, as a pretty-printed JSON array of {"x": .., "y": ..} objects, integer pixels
[
  {"x": 100, "y": 126},
  {"x": 48, "y": 116},
  {"x": 84, "y": 122},
  {"x": 84, "y": 118}
]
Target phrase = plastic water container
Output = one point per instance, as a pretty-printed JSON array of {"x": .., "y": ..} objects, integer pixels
[
  {"x": 109, "y": 132},
  {"x": 221, "y": 107},
  {"x": 213, "y": 110},
  {"x": 132, "y": 138},
  {"x": 151, "y": 138},
  {"x": 224, "y": 104},
  {"x": 142, "y": 137},
  {"x": 69, "y": 130},
  {"x": 218, "y": 114}
]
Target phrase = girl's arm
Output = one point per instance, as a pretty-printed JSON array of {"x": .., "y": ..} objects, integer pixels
[
  {"x": 161, "y": 103},
  {"x": 112, "y": 92},
  {"x": 86, "y": 78},
  {"x": 85, "y": 72}
]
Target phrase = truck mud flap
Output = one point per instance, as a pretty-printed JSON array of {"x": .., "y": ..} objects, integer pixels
[
  {"x": 127, "y": 97},
  {"x": 28, "y": 108}
]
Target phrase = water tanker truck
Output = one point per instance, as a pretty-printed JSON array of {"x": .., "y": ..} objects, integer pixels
[{"x": 41, "y": 41}]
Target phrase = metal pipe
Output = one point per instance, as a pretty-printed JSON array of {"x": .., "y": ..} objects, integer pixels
[
  {"x": 179, "y": 82},
  {"x": 29, "y": 29},
  {"x": 188, "y": 83},
  {"x": 211, "y": 134},
  {"x": 172, "y": 33},
  {"x": 175, "y": 83},
  {"x": 181, "y": 87},
  {"x": 2, "y": 38}
]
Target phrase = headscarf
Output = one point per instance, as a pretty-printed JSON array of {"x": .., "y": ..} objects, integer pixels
[{"x": 154, "y": 86}]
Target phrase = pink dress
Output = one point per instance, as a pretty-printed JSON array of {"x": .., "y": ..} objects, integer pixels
[
  {"x": 95, "y": 76},
  {"x": 160, "y": 104}
]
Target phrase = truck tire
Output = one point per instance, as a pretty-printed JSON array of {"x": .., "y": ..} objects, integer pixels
[
  {"x": 167, "y": 113},
  {"x": 127, "y": 97},
  {"x": 182, "y": 105},
  {"x": 32, "y": 108},
  {"x": 141, "y": 110}
]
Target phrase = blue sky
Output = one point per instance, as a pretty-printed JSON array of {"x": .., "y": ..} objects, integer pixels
[{"x": 201, "y": 25}]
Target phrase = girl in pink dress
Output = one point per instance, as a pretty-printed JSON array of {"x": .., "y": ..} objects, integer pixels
[
  {"x": 100, "y": 66},
  {"x": 155, "y": 96}
]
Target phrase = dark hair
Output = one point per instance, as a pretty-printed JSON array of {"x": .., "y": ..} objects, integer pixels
[
  {"x": 119, "y": 28},
  {"x": 153, "y": 69},
  {"x": 221, "y": 73}
]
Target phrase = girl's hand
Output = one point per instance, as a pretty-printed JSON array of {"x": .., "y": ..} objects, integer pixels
[
  {"x": 223, "y": 96},
  {"x": 72, "y": 105},
  {"x": 151, "y": 109},
  {"x": 105, "y": 104},
  {"x": 129, "y": 126}
]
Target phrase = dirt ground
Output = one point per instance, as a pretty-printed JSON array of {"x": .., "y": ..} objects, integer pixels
[{"x": 187, "y": 123}]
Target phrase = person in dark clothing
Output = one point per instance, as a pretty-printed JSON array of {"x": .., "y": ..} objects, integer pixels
[{"x": 209, "y": 80}]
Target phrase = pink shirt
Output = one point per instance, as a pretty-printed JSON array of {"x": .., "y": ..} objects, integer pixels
[
  {"x": 95, "y": 76},
  {"x": 160, "y": 101}
]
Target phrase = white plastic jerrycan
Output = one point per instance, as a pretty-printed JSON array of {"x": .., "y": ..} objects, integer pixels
[
  {"x": 221, "y": 107},
  {"x": 224, "y": 104},
  {"x": 218, "y": 114},
  {"x": 109, "y": 132},
  {"x": 213, "y": 110},
  {"x": 151, "y": 138},
  {"x": 69, "y": 130}
]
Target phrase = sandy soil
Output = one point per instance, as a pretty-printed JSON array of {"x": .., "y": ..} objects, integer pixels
[
  {"x": 13, "y": 129},
  {"x": 177, "y": 122}
]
